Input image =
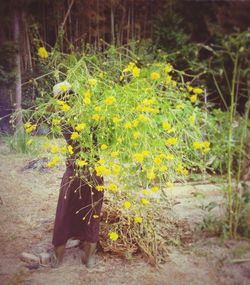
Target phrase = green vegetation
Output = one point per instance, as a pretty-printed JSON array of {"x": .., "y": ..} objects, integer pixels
[{"x": 149, "y": 111}]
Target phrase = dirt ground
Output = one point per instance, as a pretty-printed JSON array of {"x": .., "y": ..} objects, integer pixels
[{"x": 27, "y": 206}]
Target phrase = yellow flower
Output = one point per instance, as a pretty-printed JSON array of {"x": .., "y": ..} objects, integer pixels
[
  {"x": 179, "y": 168},
  {"x": 53, "y": 161},
  {"x": 100, "y": 188},
  {"x": 138, "y": 157},
  {"x": 112, "y": 187},
  {"x": 155, "y": 189},
  {"x": 169, "y": 157},
  {"x": 136, "y": 135},
  {"x": 191, "y": 119},
  {"x": 27, "y": 125},
  {"x": 42, "y": 52},
  {"x": 135, "y": 123},
  {"x": 29, "y": 142},
  {"x": 113, "y": 236},
  {"x": 130, "y": 66},
  {"x": 87, "y": 94},
  {"x": 101, "y": 161},
  {"x": 184, "y": 171},
  {"x": 163, "y": 168},
  {"x": 60, "y": 102},
  {"x": 80, "y": 127},
  {"x": 168, "y": 68},
  {"x": 87, "y": 101},
  {"x": 95, "y": 216},
  {"x": 151, "y": 174},
  {"x": 98, "y": 109},
  {"x": 145, "y": 153},
  {"x": 157, "y": 160},
  {"x": 179, "y": 106},
  {"x": 174, "y": 83},
  {"x": 127, "y": 204},
  {"x": 145, "y": 192},
  {"x": 138, "y": 220},
  {"x": 136, "y": 71},
  {"x": 54, "y": 149},
  {"x": 92, "y": 82},
  {"x": 63, "y": 87},
  {"x": 114, "y": 153},
  {"x": 171, "y": 141},
  {"x": 74, "y": 136},
  {"x": 99, "y": 169},
  {"x": 166, "y": 126},
  {"x": 81, "y": 163},
  {"x": 102, "y": 170},
  {"x": 101, "y": 75},
  {"x": 190, "y": 88},
  {"x": 104, "y": 146},
  {"x": 169, "y": 184},
  {"x": 162, "y": 155},
  {"x": 70, "y": 149},
  {"x": 197, "y": 90},
  {"x": 128, "y": 125},
  {"x": 29, "y": 128},
  {"x": 116, "y": 119},
  {"x": 110, "y": 100},
  {"x": 96, "y": 117},
  {"x": 197, "y": 145},
  {"x": 193, "y": 98},
  {"x": 168, "y": 79},
  {"x": 65, "y": 107},
  {"x": 144, "y": 201},
  {"x": 142, "y": 118},
  {"x": 155, "y": 76},
  {"x": 119, "y": 140},
  {"x": 55, "y": 121},
  {"x": 63, "y": 149},
  {"x": 206, "y": 144}
]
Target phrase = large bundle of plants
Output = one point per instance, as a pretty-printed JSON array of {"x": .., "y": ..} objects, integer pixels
[{"x": 143, "y": 127}]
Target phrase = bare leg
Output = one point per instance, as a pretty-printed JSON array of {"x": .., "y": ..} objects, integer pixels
[
  {"x": 88, "y": 255},
  {"x": 57, "y": 256}
]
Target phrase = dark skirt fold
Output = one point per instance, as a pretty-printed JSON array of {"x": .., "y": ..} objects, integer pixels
[{"x": 78, "y": 209}]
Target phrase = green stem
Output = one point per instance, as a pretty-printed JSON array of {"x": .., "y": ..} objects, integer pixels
[
  {"x": 230, "y": 158},
  {"x": 219, "y": 91}
]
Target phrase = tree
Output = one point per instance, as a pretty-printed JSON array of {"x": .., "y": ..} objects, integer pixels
[{"x": 18, "y": 81}]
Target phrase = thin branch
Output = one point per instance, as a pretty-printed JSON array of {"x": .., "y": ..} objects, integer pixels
[{"x": 67, "y": 14}]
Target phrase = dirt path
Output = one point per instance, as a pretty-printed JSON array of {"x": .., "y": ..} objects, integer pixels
[{"x": 27, "y": 208}]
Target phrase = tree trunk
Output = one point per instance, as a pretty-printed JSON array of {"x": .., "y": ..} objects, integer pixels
[
  {"x": 18, "y": 82},
  {"x": 112, "y": 20}
]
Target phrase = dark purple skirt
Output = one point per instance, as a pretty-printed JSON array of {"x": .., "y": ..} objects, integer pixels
[{"x": 78, "y": 209}]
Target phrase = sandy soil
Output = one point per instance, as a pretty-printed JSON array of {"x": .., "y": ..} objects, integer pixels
[{"x": 27, "y": 206}]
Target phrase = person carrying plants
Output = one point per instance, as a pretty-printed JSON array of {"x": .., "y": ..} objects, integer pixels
[{"x": 80, "y": 201}]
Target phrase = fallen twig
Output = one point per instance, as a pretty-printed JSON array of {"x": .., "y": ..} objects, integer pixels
[{"x": 240, "y": 260}]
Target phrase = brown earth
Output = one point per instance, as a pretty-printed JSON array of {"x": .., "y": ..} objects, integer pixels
[{"x": 27, "y": 206}]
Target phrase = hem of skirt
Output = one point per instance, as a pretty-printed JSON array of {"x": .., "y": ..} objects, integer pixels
[{"x": 79, "y": 237}]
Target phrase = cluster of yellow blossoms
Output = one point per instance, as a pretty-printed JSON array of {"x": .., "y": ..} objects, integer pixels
[
  {"x": 140, "y": 130},
  {"x": 202, "y": 145},
  {"x": 29, "y": 128},
  {"x": 42, "y": 52}
]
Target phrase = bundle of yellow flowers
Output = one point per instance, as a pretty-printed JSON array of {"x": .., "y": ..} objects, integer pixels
[{"x": 136, "y": 131}]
